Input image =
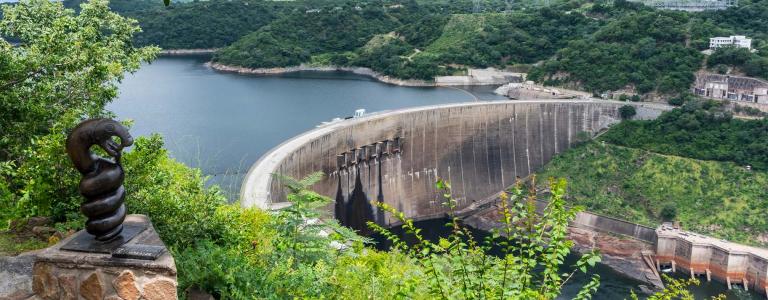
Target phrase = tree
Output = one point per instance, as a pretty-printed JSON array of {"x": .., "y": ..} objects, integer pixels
[
  {"x": 65, "y": 68},
  {"x": 731, "y": 56},
  {"x": 681, "y": 99},
  {"x": 757, "y": 66},
  {"x": 627, "y": 112},
  {"x": 668, "y": 212},
  {"x": 750, "y": 63}
]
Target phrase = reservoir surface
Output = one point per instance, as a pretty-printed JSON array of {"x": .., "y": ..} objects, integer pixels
[{"x": 222, "y": 123}]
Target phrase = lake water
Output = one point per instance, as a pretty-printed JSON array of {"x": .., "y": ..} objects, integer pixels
[{"x": 222, "y": 123}]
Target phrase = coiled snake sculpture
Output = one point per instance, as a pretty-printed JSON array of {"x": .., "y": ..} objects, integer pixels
[{"x": 102, "y": 182}]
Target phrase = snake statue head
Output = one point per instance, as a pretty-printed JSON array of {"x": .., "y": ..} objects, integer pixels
[
  {"x": 105, "y": 131},
  {"x": 96, "y": 132}
]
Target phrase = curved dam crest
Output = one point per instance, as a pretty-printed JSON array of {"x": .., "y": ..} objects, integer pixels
[{"x": 396, "y": 157}]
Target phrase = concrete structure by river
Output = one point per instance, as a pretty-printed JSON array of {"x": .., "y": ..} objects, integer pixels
[
  {"x": 482, "y": 148},
  {"x": 396, "y": 157}
]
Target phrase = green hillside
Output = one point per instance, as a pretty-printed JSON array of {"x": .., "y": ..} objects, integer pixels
[
  {"x": 197, "y": 24},
  {"x": 428, "y": 44},
  {"x": 716, "y": 198},
  {"x": 293, "y": 39},
  {"x": 592, "y": 45},
  {"x": 701, "y": 130}
]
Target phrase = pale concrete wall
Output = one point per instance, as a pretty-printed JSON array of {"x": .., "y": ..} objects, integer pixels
[
  {"x": 757, "y": 272},
  {"x": 616, "y": 226},
  {"x": 480, "y": 147},
  {"x": 723, "y": 260}
]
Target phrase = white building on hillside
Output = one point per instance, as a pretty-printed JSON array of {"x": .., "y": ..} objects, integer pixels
[
  {"x": 739, "y": 41},
  {"x": 690, "y": 5}
]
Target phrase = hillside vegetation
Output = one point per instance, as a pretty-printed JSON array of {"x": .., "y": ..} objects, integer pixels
[
  {"x": 690, "y": 164},
  {"x": 646, "y": 50},
  {"x": 700, "y": 130},
  {"x": 642, "y": 50},
  {"x": 593, "y": 45},
  {"x": 294, "y": 38},
  {"x": 428, "y": 44},
  {"x": 198, "y": 24},
  {"x": 721, "y": 199}
]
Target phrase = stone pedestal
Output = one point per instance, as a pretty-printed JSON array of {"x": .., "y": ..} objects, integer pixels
[{"x": 64, "y": 274}]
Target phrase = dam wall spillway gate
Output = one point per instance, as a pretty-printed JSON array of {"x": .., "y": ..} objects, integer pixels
[{"x": 396, "y": 157}]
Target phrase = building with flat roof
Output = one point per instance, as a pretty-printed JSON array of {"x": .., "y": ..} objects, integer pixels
[
  {"x": 739, "y": 41},
  {"x": 732, "y": 88},
  {"x": 689, "y": 5}
]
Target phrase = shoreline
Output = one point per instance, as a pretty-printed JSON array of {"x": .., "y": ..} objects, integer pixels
[
  {"x": 183, "y": 52},
  {"x": 355, "y": 70}
]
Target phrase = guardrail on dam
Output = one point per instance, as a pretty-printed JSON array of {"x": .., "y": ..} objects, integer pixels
[{"x": 396, "y": 157}]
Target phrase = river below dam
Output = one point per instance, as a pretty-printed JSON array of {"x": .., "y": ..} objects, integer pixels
[
  {"x": 222, "y": 123},
  {"x": 613, "y": 285}
]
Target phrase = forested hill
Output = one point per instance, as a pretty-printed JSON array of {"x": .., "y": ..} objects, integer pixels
[
  {"x": 596, "y": 46},
  {"x": 216, "y": 23},
  {"x": 408, "y": 41},
  {"x": 649, "y": 50},
  {"x": 204, "y": 24}
]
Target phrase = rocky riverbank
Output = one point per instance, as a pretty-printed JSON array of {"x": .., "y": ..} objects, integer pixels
[
  {"x": 356, "y": 70},
  {"x": 182, "y": 52}
]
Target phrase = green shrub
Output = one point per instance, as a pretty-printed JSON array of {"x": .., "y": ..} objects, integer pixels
[
  {"x": 627, "y": 112},
  {"x": 582, "y": 137},
  {"x": 171, "y": 194},
  {"x": 218, "y": 270},
  {"x": 676, "y": 101},
  {"x": 47, "y": 181},
  {"x": 668, "y": 213},
  {"x": 533, "y": 246},
  {"x": 7, "y": 198}
]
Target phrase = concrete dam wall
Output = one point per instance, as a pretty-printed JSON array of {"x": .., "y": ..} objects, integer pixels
[{"x": 396, "y": 157}]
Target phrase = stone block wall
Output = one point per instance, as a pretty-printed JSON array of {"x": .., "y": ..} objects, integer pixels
[
  {"x": 72, "y": 275},
  {"x": 71, "y": 282}
]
